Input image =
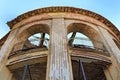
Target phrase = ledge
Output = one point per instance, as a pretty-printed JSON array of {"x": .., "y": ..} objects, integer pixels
[
  {"x": 26, "y": 51},
  {"x": 90, "y": 55},
  {"x": 33, "y": 56}
]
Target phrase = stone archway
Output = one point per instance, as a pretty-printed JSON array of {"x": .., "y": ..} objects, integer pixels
[
  {"x": 91, "y": 33},
  {"x": 79, "y": 53},
  {"x": 36, "y": 56}
]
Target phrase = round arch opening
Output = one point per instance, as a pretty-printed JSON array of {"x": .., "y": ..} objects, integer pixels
[
  {"x": 32, "y": 44},
  {"x": 82, "y": 40}
]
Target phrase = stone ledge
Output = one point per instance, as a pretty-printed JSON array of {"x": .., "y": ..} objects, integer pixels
[{"x": 90, "y": 55}]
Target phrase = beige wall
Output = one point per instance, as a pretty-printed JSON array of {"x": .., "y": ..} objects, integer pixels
[{"x": 59, "y": 67}]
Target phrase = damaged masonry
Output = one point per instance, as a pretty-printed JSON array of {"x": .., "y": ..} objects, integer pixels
[{"x": 60, "y": 43}]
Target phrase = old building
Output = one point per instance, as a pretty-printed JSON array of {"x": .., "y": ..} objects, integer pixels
[{"x": 60, "y": 43}]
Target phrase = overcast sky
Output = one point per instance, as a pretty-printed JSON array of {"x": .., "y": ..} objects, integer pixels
[{"x": 10, "y": 9}]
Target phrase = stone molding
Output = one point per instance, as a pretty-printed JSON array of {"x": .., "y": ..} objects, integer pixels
[{"x": 66, "y": 10}]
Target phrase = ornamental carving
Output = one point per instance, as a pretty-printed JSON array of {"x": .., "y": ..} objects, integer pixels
[{"x": 64, "y": 9}]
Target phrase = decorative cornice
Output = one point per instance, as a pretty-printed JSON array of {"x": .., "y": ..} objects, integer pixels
[{"x": 67, "y": 10}]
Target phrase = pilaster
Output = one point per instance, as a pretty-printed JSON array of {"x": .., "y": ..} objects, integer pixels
[
  {"x": 59, "y": 57},
  {"x": 4, "y": 53},
  {"x": 114, "y": 68}
]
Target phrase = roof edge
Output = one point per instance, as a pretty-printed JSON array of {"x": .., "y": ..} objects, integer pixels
[{"x": 64, "y": 9}]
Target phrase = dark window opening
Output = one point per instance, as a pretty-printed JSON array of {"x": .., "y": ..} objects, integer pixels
[
  {"x": 37, "y": 72},
  {"x": 92, "y": 71}
]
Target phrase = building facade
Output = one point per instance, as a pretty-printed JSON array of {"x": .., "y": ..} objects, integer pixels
[{"x": 60, "y": 43}]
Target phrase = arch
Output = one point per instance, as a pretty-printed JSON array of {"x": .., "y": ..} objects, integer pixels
[
  {"x": 86, "y": 30},
  {"x": 98, "y": 46},
  {"x": 34, "y": 55},
  {"x": 92, "y": 34},
  {"x": 25, "y": 32},
  {"x": 43, "y": 28}
]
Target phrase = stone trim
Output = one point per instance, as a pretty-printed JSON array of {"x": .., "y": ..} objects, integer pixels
[{"x": 67, "y": 10}]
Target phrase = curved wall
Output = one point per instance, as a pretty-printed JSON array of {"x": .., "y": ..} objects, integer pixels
[{"x": 58, "y": 22}]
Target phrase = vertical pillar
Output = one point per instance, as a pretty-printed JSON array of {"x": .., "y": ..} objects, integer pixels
[
  {"x": 5, "y": 74},
  {"x": 7, "y": 47},
  {"x": 59, "y": 66},
  {"x": 110, "y": 43},
  {"x": 114, "y": 68}
]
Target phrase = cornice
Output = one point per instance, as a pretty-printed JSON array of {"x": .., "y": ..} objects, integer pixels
[{"x": 67, "y": 10}]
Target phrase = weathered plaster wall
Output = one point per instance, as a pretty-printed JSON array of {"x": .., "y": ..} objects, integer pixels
[{"x": 59, "y": 67}]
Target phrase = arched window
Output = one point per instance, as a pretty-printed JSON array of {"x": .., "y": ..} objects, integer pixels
[
  {"x": 79, "y": 39},
  {"x": 85, "y": 45},
  {"x": 84, "y": 68},
  {"x": 31, "y": 52},
  {"x": 39, "y": 40}
]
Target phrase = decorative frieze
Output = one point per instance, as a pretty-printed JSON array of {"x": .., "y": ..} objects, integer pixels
[{"x": 67, "y": 10}]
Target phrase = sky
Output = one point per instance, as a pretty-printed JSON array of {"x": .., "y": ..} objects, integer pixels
[{"x": 10, "y": 9}]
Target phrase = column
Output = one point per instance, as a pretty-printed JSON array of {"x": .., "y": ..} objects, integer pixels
[
  {"x": 110, "y": 44},
  {"x": 114, "y": 68},
  {"x": 5, "y": 74},
  {"x": 59, "y": 66}
]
